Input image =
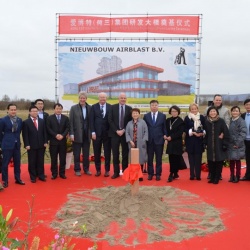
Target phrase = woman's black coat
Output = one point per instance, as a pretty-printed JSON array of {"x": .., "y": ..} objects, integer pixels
[
  {"x": 194, "y": 144},
  {"x": 216, "y": 147},
  {"x": 175, "y": 145}
]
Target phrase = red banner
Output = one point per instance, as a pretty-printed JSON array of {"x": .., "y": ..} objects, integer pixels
[{"x": 180, "y": 25}]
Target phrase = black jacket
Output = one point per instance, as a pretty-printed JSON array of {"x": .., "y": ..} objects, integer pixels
[{"x": 216, "y": 147}]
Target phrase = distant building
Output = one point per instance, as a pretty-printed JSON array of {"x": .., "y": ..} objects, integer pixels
[
  {"x": 138, "y": 81},
  {"x": 70, "y": 88}
]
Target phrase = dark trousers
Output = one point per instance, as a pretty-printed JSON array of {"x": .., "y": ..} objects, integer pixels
[
  {"x": 77, "y": 148},
  {"x": 247, "y": 174},
  {"x": 215, "y": 169},
  {"x": 36, "y": 163},
  {"x": 235, "y": 164},
  {"x": 174, "y": 162},
  {"x": 157, "y": 151},
  {"x": 195, "y": 165},
  {"x": 7, "y": 155},
  {"x": 116, "y": 142},
  {"x": 97, "y": 145},
  {"x": 56, "y": 150}
]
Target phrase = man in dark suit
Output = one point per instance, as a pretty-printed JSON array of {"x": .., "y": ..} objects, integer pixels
[
  {"x": 157, "y": 133},
  {"x": 119, "y": 116},
  {"x": 99, "y": 128},
  {"x": 10, "y": 129},
  {"x": 80, "y": 133},
  {"x": 58, "y": 129},
  {"x": 35, "y": 141},
  {"x": 39, "y": 103},
  {"x": 246, "y": 117}
]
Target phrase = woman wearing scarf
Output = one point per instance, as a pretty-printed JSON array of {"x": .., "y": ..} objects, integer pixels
[
  {"x": 175, "y": 128},
  {"x": 137, "y": 136},
  {"x": 217, "y": 140},
  {"x": 195, "y": 130},
  {"x": 238, "y": 132}
]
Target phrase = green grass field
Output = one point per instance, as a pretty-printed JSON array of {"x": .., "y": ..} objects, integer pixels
[
  {"x": 172, "y": 100},
  {"x": 183, "y": 99}
]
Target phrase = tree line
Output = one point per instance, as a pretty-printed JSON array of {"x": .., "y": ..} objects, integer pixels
[{"x": 22, "y": 103}]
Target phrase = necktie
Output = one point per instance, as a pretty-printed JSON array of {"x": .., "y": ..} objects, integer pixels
[
  {"x": 35, "y": 123},
  {"x": 102, "y": 111},
  {"x": 154, "y": 118},
  {"x": 122, "y": 118},
  {"x": 58, "y": 118}
]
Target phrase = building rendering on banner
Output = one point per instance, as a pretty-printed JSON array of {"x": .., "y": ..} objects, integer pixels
[
  {"x": 70, "y": 89},
  {"x": 138, "y": 81}
]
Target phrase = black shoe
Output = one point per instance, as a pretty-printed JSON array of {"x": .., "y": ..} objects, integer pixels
[
  {"x": 114, "y": 176},
  {"x": 191, "y": 178},
  {"x": 5, "y": 185},
  {"x": 20, "y": 182},
  {"x": 209, "y": 176},
  {"x": 53, "y": 177},
  {"x": 198, "y": 179},
  {"x": 210, "y": 181},
  {"x": 63, "y": 176},
  {"x": 33, "y": 181},
  {"x": 42, "y": 179},
  {"x": 106, "y": 174},
  {"x": 176, "y": 176},
  {"x": 216, "y": 181},
  {"x": 88, "y": 173},
  {"x": 145, "y": 171},
  {"x": 140, "y": 179},
  {"x": 98, "y": 173},
  {"x": 231, "y": 178},
  {"x": 236, "y": 179},
  {"x": 158, "y": 177},
  {"x": 170, "y": 177},
  {"x": 150, "y": 177}
]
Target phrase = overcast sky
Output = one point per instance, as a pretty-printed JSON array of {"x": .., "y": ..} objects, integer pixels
[{"x": 28, "y": 29}]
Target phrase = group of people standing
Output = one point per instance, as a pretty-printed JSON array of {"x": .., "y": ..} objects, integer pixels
[
  {"x": 225, "y": 136},
  {"x": 35, "y": 141},
  {"x": 120, "y": 127}
]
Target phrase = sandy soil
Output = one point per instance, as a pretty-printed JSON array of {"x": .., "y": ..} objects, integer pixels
[{"x": 155, "y": 214}]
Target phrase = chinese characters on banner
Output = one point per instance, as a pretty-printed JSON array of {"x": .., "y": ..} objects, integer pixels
[{"x": 179, "y": 25}]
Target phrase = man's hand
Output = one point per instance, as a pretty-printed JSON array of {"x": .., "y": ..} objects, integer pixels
[
  {"x": 59, "y": 137},
  {"x": 221, "y": 136},
  {"x": 169, "y": 138},
  {"x": 120, "y": 132}
]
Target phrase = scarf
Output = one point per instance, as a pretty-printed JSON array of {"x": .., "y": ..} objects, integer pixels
[
  {"x": 196, "y": 119},
  {"x": 213, "y": 120},
  {"x": 236, "y": 118},
  {"x": 135, "y": 132},
  {"x": 14, "y": 123}
]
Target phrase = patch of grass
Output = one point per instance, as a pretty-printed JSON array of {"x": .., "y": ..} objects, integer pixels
[{"x": 182, "y": 99}]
